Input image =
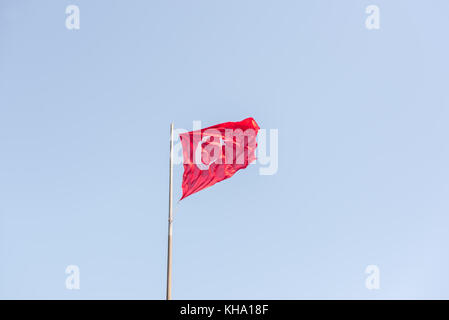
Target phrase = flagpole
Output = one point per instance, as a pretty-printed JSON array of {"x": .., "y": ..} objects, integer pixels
[{"x": 170, "y": 217}]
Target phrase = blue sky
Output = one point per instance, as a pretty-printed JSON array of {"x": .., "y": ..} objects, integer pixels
[{"x": 363, "y": 151}]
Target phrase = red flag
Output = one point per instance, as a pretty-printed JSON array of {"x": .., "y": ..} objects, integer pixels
[{"x": 215, "y": 153}]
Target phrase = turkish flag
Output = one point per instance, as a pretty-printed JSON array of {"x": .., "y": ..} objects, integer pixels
[{"x": 215, "y": 153}]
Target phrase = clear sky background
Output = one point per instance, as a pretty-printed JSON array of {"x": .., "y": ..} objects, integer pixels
[{"x": 363, "y": 148}]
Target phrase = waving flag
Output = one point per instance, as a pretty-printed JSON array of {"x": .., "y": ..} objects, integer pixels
[{"x": 215, "y": 153}]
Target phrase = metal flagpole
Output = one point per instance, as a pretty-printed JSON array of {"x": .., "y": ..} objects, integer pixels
[{"x": 170, "y": 217}]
